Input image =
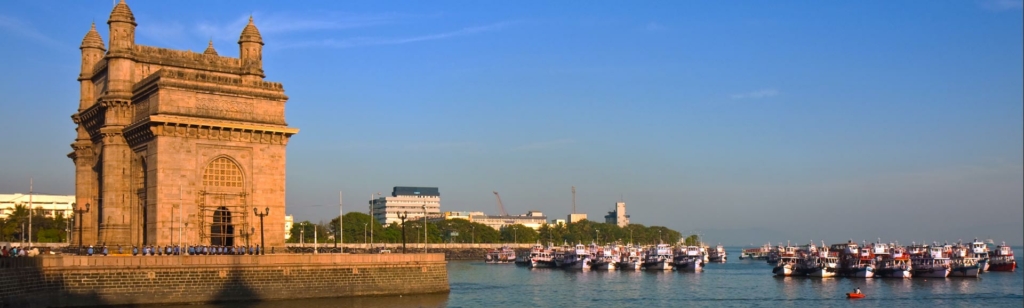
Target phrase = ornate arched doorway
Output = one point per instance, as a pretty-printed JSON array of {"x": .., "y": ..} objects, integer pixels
[{"x": 222, "y": 203}]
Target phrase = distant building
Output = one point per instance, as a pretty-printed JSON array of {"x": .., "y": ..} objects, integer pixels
[
  {"x": 618, "y": 216},
  {"x": 558, "y": 221},
  {"x": 49, "y": 205},
  {"x": 409, "y": 200},
  {"x": 574, "y": 218},
  {"x": 288, "y": 222},
  {"x": 461, "y": 215},
  {"x": 532, "y": 219}
]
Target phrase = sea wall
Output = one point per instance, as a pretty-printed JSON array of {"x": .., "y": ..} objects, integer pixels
[{"x": 69, "y": 281}]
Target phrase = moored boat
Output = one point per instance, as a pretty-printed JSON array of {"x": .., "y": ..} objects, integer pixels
[
  {"x": 980, "y": 250},
  {"x": 717, "y": 255},
  {"x": 962, "y": 263},
  {"x": 933, "y": 264},
  {"x": 1001, "y": 259},
  {"x": 605, "y": 258},
  {"x": 658, "y": 258},
  {"x": 688, "y": 258},
  {"x": 578, "y": 258},
  {"x": 787, "y": 262},
  {"x": 538, "y": 257},
  {"x": 863, "y": 266},
  {"x": 818, "y": 262},
  {"x": 895, "y": 264},
  {"x": 501, "y": 256},
  {"x": 632, "y": 258}
]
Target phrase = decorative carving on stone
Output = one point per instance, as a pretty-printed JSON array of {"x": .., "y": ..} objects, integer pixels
[{"x": 223, "y": 105}]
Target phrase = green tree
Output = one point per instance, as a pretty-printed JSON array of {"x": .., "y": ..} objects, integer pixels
[
  {"x": 518, "y": 233},
  {"x": 692, "y": 240}
]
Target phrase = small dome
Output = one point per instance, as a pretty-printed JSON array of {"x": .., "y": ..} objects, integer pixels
[
  {"x": 250, "y": 34},
  {"x": 210, "y": 50},
  {"x": 92, "y": 39},
  {"x": 122, "y": 13}
]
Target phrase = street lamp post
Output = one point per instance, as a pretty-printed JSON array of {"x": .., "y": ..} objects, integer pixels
[
  {"x": 263, "y": 245},
  {"x": 424, "y": 228},
  {"x": 474, "y": 233},
  {"x": 598, "y": 237},
  {"x": 515, "y": 234},
  {"x": 364, "y": 233},
  {"x": 341, "y": 215},
  {"x": 78, "y": 213},
  {"x": 403, "y": 216}
]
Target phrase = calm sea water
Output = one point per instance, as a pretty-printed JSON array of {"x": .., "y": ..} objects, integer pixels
[{"x": 746, "y": 283}]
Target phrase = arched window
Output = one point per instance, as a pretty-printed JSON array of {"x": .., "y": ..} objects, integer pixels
[{"x": 222, "y": 172}]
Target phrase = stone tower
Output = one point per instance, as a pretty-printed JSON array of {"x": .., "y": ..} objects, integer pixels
[{"x": 176, "y": 146}]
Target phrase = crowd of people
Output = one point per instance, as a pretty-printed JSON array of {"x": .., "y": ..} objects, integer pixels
[
  {"x": 169, "y": 250},
  {"x": 14, "y": 252}
]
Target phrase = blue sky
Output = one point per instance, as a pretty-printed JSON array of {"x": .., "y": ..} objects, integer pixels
[{"x": 748, "y": 121}]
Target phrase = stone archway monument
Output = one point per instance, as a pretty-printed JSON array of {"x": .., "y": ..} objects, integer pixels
[{"x": 168, "y": 137}]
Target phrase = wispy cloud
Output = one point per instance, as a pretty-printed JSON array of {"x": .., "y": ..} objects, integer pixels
[
  {"x": 442, "y": 146},
  {"x": 544, "y": 145},
  {"x": 289, "y": 22},
  {"x": 368, "y": 41},
  {"x": 1002, "y": 5},
  {"x": 756, "y": 94},
  {"x": 20, "y": 28},
  {"x": 654, "y": 26}
]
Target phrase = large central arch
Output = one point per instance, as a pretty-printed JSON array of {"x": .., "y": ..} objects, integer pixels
[{"x": 223, "y": 202}]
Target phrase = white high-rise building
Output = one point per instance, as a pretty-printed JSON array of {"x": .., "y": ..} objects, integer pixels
[
  {"x": 48, "y": 205},
  {"x": 289, "y": 220},
  {"x": 407, "y": 200},
  {"x": 618, "y": 216}
]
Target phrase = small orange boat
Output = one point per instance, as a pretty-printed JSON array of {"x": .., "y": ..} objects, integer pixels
[{"x": 854, "y": 295}]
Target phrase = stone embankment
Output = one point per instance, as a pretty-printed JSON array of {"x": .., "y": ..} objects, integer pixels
[{"x": 67, "y": 281}]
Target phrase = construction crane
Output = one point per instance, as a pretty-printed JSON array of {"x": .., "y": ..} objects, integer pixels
[
  {"x": 501, "y": 207},
  {"x": 574, "y": 199}
]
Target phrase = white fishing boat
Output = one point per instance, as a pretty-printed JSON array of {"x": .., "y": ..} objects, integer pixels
[
  {"x": 632, "y": 258},
  {"x": 1002, "y": 259},
  {"x": 787, "y": 262},
  {"x": 501, "y": 256},
  {"x": 689, "y": 258},
  {"x": 717, "y": 255},
  {"x": 538, "y": 257},
  {"x": 980, "y": 250},
  {"x": 933, "y": 264},
  {"x": 578, "y": 258},
  {"x": 863, "y": 266},
  {"x": 821, "y": 263},
  {"x": 898, "y": 264},
  {"x": 606, "y": 258},
  {"x": 658, "y": 258},
  {"x": 961, "y": 262}
]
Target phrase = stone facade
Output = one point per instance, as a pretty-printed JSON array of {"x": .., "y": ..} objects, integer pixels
[
  {"x": 65, "y": 281},
  {"x": 177, "y": 146}
]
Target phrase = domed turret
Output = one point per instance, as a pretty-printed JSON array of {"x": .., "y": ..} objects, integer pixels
[
  {"x": 250, "y": 34},
  {"x": 122, "y": 29},
  {"x": 93, "y": 40},
  {"x": 122, "y": 13},
  {"x": 250, "y": 52},
  {"x": 209, "y": 49}
]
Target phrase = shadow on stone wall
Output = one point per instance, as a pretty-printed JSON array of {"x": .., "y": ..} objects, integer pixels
[
  {"x": 236, "y": 291},
  {"x": 23, "y": 284}
]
